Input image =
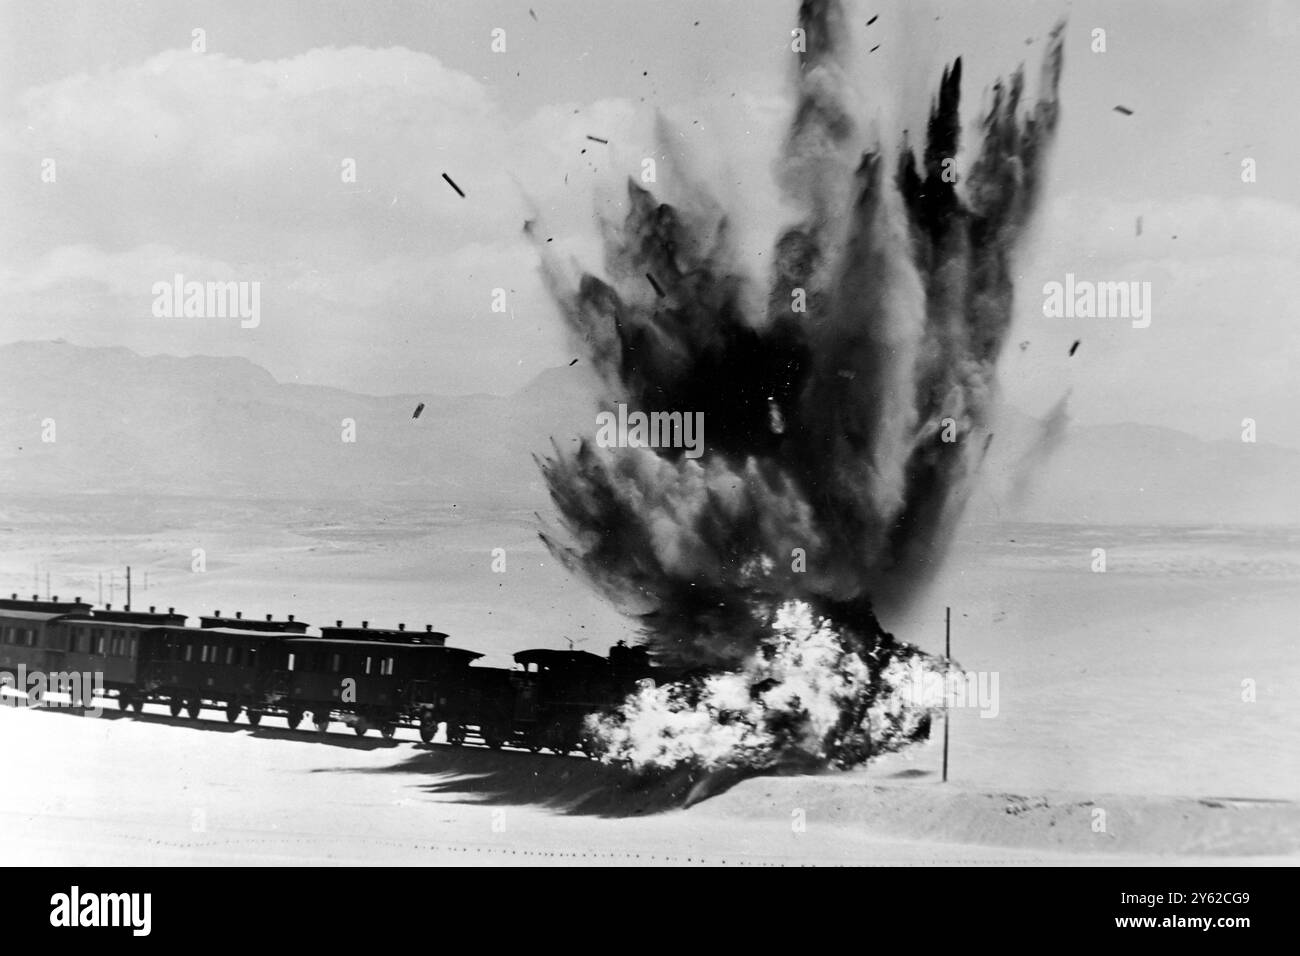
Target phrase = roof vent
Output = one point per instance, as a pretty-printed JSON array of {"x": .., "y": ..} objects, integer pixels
[
  {"x": 268, "y": 617},
  {"x": 239, "y": 615},
  {"x": 338, "y": 623},
  {"x": 401, "y": 627},
  {"x": 290, "y": 618},
  {"x": 365, "y": 623},
  {"x": 152, "y": 609}
]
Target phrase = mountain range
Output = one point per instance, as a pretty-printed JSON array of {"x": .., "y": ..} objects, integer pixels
[{"x": 225, "y": 427}]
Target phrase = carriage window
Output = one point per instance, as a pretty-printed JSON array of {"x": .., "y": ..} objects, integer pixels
[
  {"x": 134, "y": 644},
  {"x": 386, "y": 666},
  {"x": 367, "y": 665},
  {"x": 230, "y": 655},
  {"x": 99, "y": 641},
  {"x": 252, "y": 657},
  {"x": 31, "y": 637},
  {"x": 336, "y": 663},
  {"x": 290, "y": 667},
  {"x": 189, "y": 652}
]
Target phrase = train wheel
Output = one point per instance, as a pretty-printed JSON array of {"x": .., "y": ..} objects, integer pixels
[
  {"x": 232, "y": 712},
  {"x": 175, "y": 705},
  {"x": 294, "y": 718},
  {"x": 124, "y": 702},
  {"x": 387, "y": 731},
  {"x": 193, "y": 708},
  {"x": 254, "y": 717},
  {"x": 428, "y": 728},
  {"x": 322, "y": 724},
  {"x": 360, "y": 727},
  {"x": 455, "y": 734},
  {"x": 495, "y": 743},
  {"x": 137, "y": 703}
]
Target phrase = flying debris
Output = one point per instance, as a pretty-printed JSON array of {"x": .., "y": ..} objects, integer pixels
[
  {"x": 1075, "y": 347},
  {"x": 1124, "y": 109},
  {"x": 533, "y": 15},
  {"x": 418, "y": 408},
  {"x": 874, "y": 48},
  {"x": 1024, "y": 345},
  {"x": 822, "y": 436},
  {"x": 1139, "y": 225},
  {"x": 597, "y": 139},
  {"x": 453, "y": 185},
  {"x": 873, "y": 19},
  {"x": 573, "y": 363}
]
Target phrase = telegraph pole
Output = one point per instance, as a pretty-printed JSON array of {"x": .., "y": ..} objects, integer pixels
[
  {"x": 128, "y": 593},
  {"x": 947, "y": 663}
]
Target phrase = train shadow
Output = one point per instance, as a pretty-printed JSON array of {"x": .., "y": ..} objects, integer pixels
[{"x": 569, "y": 785}]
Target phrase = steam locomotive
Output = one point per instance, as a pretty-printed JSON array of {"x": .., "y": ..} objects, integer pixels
[{"x": 361, "y": 676}]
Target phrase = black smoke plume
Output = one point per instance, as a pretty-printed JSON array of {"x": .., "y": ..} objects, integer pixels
[{"x": 840, "y": 440}]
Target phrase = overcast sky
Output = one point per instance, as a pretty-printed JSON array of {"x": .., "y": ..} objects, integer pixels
[{"x": 227, "y": 164}]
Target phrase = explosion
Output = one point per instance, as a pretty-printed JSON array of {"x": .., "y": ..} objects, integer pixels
[{"x": 844, "y": 426}]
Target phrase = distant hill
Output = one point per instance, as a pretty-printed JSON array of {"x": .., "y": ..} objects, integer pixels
[{"x": 226, "y": 427}]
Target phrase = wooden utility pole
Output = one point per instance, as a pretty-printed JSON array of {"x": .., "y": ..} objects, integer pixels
[
  {"x": 128, "y": 593},
  {"x": 947, "y": 663}
]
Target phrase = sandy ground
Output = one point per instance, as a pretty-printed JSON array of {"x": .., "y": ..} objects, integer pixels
[
  {"x": 154, "y": 790},
  {"x": 1123, "y": 691}
]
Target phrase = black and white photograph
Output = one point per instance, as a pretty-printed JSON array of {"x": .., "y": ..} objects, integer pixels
[{"x": 690, "y": 433}]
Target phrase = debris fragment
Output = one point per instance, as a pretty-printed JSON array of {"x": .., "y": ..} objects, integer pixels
[
  {"x": 418, "y": 408},
  {"x": 873, "y": 19},
  {"x": 597, "y": 139},
  {"x": 1075, "y": 347},
  {"x": 1024, "y": 345},
  {"x": 453, "y": 185},
  {"x": 874, "y": 48},
  {"x": 658, "y": 288},
  {"x": 533, "y": 15},
  {"x": 1139, "y": 226},
  {"x": 1124, "y": 109},
  {"x": 573, "y": 363}
]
